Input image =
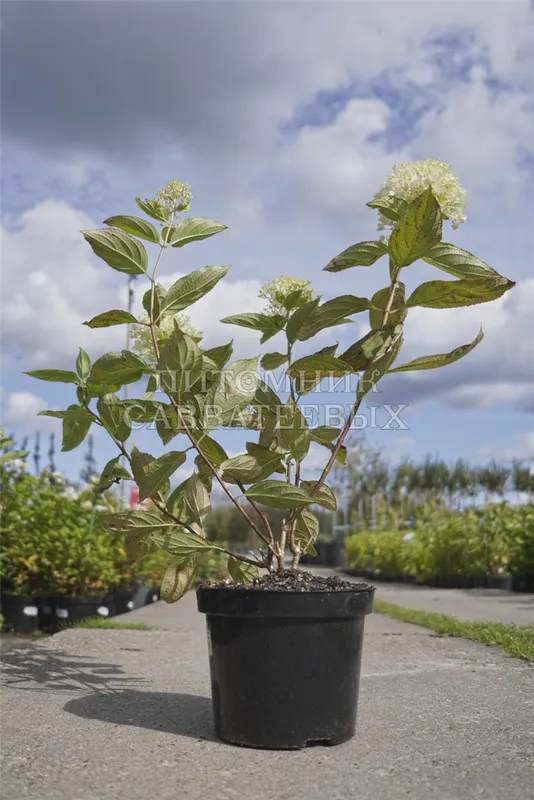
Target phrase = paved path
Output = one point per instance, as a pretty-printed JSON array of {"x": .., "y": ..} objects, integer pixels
[
  {"x": 492, "y": 605},
  {"x": 126, "y": 715}
]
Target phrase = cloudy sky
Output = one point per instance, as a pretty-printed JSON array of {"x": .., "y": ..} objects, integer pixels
[{"x": 285, "y": 118}]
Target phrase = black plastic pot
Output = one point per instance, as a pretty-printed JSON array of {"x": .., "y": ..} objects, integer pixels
[
  {"x": 285, "y": 666},
  {"x": 123, "y": 601},
  {"x": 334, "y": 554},
  {"x": 153, "y": 595},
  {"x": 73, "y": 609},
  {"x": 498, "y": 582},
  {"x": 47, "y": 612},
  {"x": 21, "y": 613},
  {"x": 523, "y": 582}
]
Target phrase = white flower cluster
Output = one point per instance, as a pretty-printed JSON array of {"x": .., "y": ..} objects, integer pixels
[
  {"x": 277, "y": 290},
  {"x": 175, "y": 196},
  {"x": 409, "y": 180},
  {"x": 142, "y": 339}
]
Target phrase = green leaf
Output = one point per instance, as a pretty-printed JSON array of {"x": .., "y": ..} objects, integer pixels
[
  {"x": 74, "y": 430},
  {"x": 154, "y": 209},
  {"x": 324, "y": 434},
  {"x": 417, "y": 231},
  {"x": 190, "y": 501},
  {"x": 178, "y": 579},
  {"x": 119, "y": 250},
  {"x": 324, "y": 496},
  {"x": 112, "y": 412},
  {"x": 190, "y": 288},
  {"x": 267, "y": 324},
  {"x": 318, "y": 363},
  {"x": 210, "y": 448},
  {"x": 380, "y": 299},
  {"x": 458, "y": 262},
  {"x": 278, "y": 494},
  {"x": 109, "y": 318},
  {"x": 54, "y": 375},
  {"x": 83, "y": 365},
  {"x": 378, "y": 368},
  {"x": 220, "y": 355},
  {"x": 441, "y": 360},
  {"x": 271, "y": 437},
  {"x": 180, "y": 364},
  {"x": 233, "y": 390},
  {"x": 140, "y": 461},
  {"x": 95, "y": 389},
  {"x": 333, "y": 312},
  {"x": 159, "y": 296},
  {"x": 454, "y": 294},
  {"x": 391, "y": 208},
  {"x": 139, "y": 522},
  {"x": 204, "y": 473},
  {"x": 251, "y": 467},
  {"x": 293, "y": 300},
  {"x": 72, "y": 413},
  {"x": 363, "y": 254},
  {"x": 157, "y": 472},
  {"x": 265, "y": 400},
  {"x": 117, "y": 369},
  {"x": 181, "y": 543},
  {"x": 306, "y": 529},
  {"x": 240, "y": 571},
  {"x": 135, "y": 226},
  {"x": 329, "y": 350},
  {"x": 193, "y": 229},
  {"x": 12, "y": 455},
  {"x": 112, "y": 473},
  {"x": 273, "y": 360},
  {"x": 294, "y": 430},
  {"x": 298, "y": 319},
  {"x": 371, "y": 346}
]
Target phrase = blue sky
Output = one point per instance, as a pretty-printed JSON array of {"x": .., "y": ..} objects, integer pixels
[{"x": 285, "y": 119}]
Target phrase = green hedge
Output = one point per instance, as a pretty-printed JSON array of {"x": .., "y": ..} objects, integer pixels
[
  {"x": 497, "y": 540},
  {"x": 52, "y": 543}
]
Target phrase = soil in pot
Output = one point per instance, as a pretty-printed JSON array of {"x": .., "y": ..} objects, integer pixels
[
  {"x": 21, "y": 613},
  {"x": 285, "y": 657}
]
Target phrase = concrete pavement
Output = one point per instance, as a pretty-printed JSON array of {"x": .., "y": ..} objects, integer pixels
[
  {"x": 485, "y": 605},
  {"x": 126, "y": 715}
]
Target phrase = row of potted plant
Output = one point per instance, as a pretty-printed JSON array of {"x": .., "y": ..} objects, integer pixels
[{"x": 488, "y": 547}]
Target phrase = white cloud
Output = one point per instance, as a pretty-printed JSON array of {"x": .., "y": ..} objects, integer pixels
[
  {"x": 20, "y": 410},
  {"x": 51, "y": 285},
  {"x": 523, "y": 448},
  {"x": 22, "y": 407}
]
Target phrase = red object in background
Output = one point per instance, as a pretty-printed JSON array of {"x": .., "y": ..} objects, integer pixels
[{"x": 134, "y": 496}]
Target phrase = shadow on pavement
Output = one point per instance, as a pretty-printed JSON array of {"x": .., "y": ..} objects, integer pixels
[
  {"x": 180, "y": 714},
  {"x": 45, "y": 669}
]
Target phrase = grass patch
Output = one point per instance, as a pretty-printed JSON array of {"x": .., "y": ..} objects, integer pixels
[
  {"x": 514, "y": 639},
  {"x": 98, "y": 622}
]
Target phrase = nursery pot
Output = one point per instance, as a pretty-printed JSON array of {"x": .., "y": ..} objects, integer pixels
[
  {"x": 285, "y": 666},
  {"x": 123, "y": 600},
  {"x": 74, "y": 609},
  {"x": 334, "y": 554},
  {"x": 21, "y": 613}
]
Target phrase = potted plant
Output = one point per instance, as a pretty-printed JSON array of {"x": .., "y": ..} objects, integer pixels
[{"x": 273, "y": 632}]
